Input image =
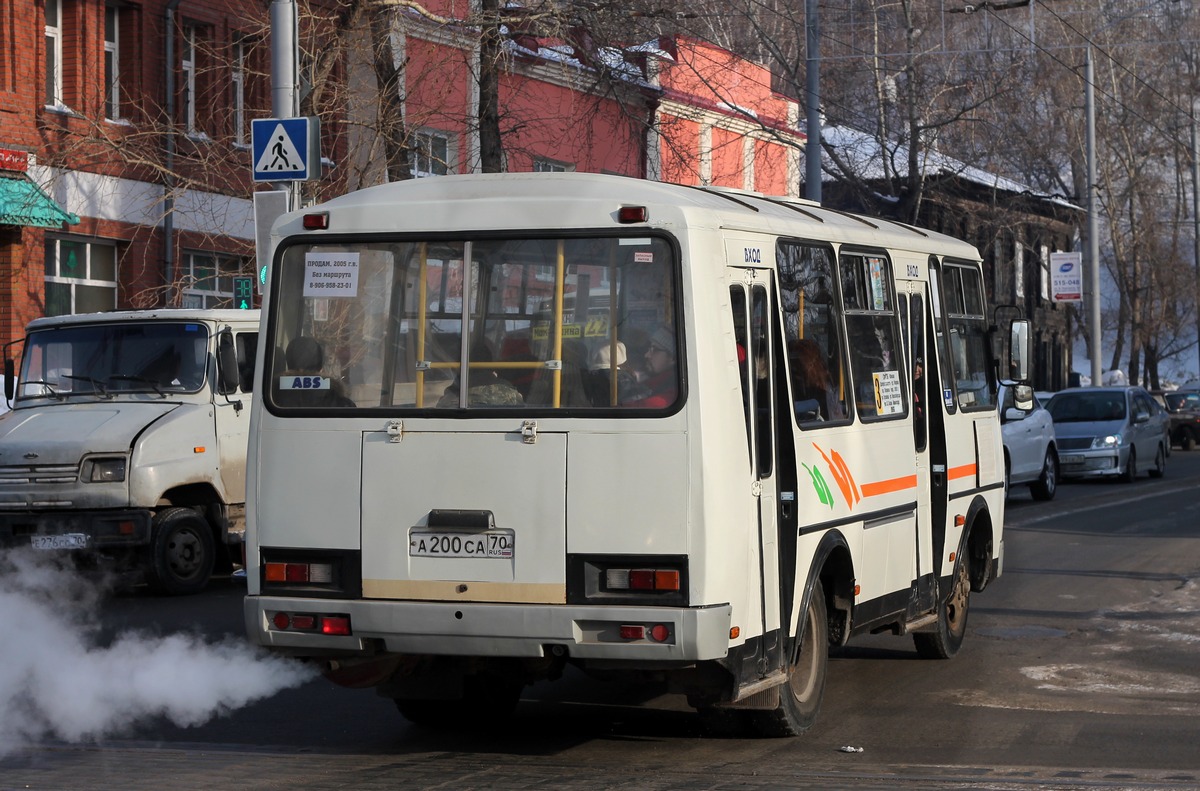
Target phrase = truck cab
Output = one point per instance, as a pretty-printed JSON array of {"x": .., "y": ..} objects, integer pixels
[{"x": 125, "y": 443}]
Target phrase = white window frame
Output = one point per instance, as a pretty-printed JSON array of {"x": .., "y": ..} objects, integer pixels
[
  {"x": 422, "y": 162},
  {"x": 54, "y": 55},
  {"x": 112, "y": 53},
  {"x": 550, "y": 166},
  {"x": 88, "y": 246},
  {"x": 187, "y": 65},
  {"x": 239, "y": 92},
  {"x": 210, "y": 291}
]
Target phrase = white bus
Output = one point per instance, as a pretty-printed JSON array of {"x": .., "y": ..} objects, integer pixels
[{"x": 516, "y": 422}]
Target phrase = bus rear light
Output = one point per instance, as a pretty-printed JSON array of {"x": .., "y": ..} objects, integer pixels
[
  {"x": 317, "y": 221},
  {"x": 633, "y": 632},
  {"x": 307, "y": 622},
  {"x": 299, "y": 572},
  {"x": 660, "y": 632},
  {"x": 642, "y": 579},
  {"x": 335, "y": 624},
  {"x": 632, "y": 214}
]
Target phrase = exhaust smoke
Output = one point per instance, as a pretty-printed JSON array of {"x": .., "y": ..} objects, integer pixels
[{"x": 60, "y": 679}]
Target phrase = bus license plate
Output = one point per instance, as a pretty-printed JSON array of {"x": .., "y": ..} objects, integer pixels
[
  {"x": 64, "y": 541},
  {"x": 456, "y": 544}
]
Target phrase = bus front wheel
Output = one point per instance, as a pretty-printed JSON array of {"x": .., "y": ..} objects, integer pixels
[
  {"x": 947, "y": 637},
  {"x": 800, "y": 697}
]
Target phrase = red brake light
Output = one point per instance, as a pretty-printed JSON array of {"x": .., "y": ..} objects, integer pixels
[
  {"x": 630, "y": 632},
  {"x": 335, "y": 624},
  {"x": 641, "y": 579},
  {"x": 631, "y": 214}
]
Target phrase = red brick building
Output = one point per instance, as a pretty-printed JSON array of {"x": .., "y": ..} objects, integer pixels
[{"x": 125, "y": 176}]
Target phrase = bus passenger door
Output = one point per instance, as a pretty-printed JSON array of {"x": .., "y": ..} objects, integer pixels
[
  {"x": 914, "y": 307},
  {"x": 751, "y": 305}
]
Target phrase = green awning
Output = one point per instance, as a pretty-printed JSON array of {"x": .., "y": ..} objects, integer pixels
[{"x": 23, "y": 203}]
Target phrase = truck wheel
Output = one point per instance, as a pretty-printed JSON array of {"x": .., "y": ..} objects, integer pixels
[
  {"x": 1189, "y": 440},
  {"x": 181, "y": 552},
  {"x": 945, "y": 640},
  {"x": 800, "y": 697}
]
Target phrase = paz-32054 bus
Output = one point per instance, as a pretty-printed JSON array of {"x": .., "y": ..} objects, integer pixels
[{"x": 515, "y": 422}]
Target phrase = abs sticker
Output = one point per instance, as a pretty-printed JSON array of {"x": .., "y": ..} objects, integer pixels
[{"x": 304, "y": 383}]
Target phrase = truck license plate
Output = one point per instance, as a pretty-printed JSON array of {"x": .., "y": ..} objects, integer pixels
[
  {"x": 64, "y": 541},
  {"x": 458, "y": 544}
]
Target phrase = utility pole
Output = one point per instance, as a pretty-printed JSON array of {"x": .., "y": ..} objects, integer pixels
[
  {"x": 812, "y": 103},
  {"x": 1196, "y": 223},
  {"x": 285, "y": 56},
  {"x": 1093, "y": 232}
]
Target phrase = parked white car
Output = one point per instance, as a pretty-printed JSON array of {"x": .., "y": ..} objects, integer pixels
[{"x": 1030, "y": 447}]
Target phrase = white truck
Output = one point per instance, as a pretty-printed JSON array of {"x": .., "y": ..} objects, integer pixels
[{"x": 125, "y": 445}]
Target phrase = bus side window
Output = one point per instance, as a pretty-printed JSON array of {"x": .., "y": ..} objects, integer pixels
[
  {"x": 812, "y": 325},
  {"x": 869, "y": 304}
]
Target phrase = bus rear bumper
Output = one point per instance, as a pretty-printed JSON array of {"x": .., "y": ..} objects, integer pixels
[{"x": 489, "y": 630}]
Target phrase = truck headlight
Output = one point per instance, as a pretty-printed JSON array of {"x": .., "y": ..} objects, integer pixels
[{"x": 106, "y": 469}]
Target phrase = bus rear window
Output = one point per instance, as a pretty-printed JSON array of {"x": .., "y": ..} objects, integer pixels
[{"x": 487, "y": 324}]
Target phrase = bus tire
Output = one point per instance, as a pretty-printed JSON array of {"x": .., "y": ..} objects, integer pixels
[
  {"x": 800, "y": 697},
  {"x": 947, "y": 637},
  {"x": 182, "y": 552},
  {"x": 487, "y": 701}
]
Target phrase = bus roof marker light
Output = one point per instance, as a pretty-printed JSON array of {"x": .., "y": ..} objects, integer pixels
[
  {"x": 317, "y": 221},
  {"x": 631, "y": 214}
]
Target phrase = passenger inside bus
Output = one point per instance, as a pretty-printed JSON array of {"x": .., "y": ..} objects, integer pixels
[
  {"x": 305, "y": 383},
  {"x": 484, "y": 386},
  {"x": 602, "y": 373},
  {"x": 813, "y": 392},
  {"x": 660, "y": 388}
]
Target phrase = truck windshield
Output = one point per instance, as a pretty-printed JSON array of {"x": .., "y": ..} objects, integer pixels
[
  {"x": 580, "y": 323},
  {"x": 106, "y": 360}
]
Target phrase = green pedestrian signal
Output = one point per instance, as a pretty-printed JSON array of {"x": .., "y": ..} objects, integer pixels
[{"x": 243, "y": 293}]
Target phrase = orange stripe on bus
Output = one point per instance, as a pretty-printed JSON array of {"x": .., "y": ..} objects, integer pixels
[
  {"x": 966, "y": 470},
  {"x": 889, "y": 486}
]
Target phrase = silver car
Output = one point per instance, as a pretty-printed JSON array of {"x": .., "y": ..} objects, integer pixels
[
  {"x": 1030, "y": 445},
  {"x": 1110, "y": 431}
]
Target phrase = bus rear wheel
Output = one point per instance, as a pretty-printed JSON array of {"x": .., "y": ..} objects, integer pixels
[
  {"x": 947, "y": 637},
  {"x": 800, "y": 697}
]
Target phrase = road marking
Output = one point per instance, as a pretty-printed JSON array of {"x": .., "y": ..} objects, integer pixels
[{"x": 1158, "y": 492}]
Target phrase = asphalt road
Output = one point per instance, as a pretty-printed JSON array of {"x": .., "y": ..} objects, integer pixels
[{"x": 1079, "y": 671}]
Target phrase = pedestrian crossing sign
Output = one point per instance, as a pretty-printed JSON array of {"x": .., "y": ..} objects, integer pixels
[{"x": 285, "y": 149}]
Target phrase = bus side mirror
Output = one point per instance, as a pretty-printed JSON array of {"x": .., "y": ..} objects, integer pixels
[
  {"x": 227, "y": 364},
  {"x": 10, "y": 382},
  {"x": 1019, "y": 351}
]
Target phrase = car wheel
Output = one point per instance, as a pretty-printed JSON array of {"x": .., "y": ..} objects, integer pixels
[
  {"x": 800, "y": 697},
  {"x": 181, "y": 552},
  {"x": 947, "y": 637},
  {"x": 1160, "y": 464},
  {"x": 1189, "y": 441},
  {"x": 1130, "y": 467},
  {"x": 1047, "y": 484}
]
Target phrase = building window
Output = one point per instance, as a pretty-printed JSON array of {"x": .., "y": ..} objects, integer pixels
[
  {"x": 546, "y": 166},
  {"x": 188, "y": 67},
  {"x": 54, "y": 59},
  {"x": 430, "y": 154},
  {"x": 209, "y": 279},
  {"x": 112, "y": 57},
  {"x": 81, "y": 277}
]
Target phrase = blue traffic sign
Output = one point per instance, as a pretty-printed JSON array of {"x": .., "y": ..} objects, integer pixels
[{"x": 282, "y": 149}]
